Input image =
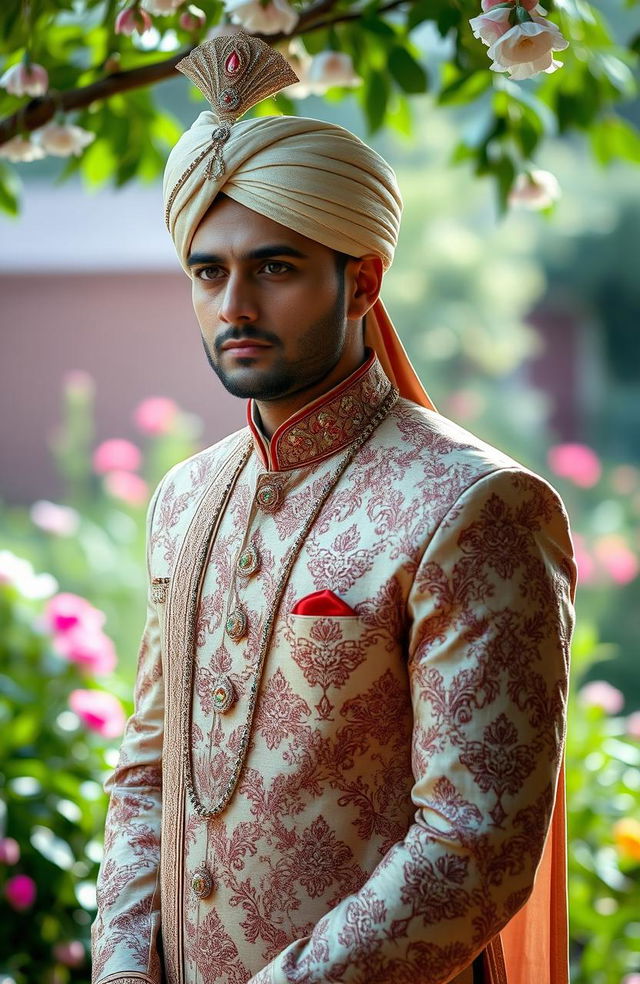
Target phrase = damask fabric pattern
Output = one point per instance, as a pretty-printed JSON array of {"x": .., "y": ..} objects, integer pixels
[{"x": 402, "y": 766}]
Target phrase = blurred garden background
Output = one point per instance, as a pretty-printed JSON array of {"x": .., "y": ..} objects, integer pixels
[{"x": 517, "y": 295}]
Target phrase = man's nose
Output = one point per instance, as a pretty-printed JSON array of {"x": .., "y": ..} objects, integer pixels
[{"x": 239, "y": 303}]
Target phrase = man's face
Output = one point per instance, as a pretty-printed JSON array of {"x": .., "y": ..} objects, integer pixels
[{"x": 270, "y": 303}]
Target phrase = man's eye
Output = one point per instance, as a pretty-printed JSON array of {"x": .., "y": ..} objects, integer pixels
[
  {"x": 208, "y": 273},
  {"x": 276, "y": 266}
]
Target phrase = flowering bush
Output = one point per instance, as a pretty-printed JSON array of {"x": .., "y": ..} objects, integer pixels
[
  {"x": 63, "y": 699},
  {"x": 603, "y": 792},
  {"x": 53, "y": 756}
]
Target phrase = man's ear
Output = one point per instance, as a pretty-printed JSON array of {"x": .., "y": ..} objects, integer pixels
[{"x": 364, "y": 280}]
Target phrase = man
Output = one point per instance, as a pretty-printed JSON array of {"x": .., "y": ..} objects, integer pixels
[{"x": 351, "y": 688}]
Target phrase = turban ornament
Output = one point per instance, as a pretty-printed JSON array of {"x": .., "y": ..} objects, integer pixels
[{"x": 234, "y": 73}]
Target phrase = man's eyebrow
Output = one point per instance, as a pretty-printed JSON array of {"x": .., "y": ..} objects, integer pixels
[{"x": 262, "y": 253}]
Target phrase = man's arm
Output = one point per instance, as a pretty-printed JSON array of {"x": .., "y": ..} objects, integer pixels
[
  {"x": 488, "y": 661},
  {"x": 125, "y": 931}
]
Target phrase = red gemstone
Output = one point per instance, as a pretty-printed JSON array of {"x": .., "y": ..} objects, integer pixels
[{"x": 232, "y": 63}]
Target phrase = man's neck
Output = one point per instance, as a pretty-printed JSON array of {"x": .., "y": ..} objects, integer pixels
[{"x": 273, "y": 413}]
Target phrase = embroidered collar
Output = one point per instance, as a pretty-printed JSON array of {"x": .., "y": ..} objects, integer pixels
[{"x": 326, "y": 425}]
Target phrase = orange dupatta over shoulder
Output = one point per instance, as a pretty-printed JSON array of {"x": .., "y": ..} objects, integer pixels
[{"x": 533, "y": 946}]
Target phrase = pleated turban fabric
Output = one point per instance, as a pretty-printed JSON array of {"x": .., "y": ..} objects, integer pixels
[{"x": 312, "y": 177}]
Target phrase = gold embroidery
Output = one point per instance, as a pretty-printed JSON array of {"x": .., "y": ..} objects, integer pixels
[
  {"x": 184, "y": 592},
  {"x": 130, "y": 978},
  {"x": 332, "y": 426}
]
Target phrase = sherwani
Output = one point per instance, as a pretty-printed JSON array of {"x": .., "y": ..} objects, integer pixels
[{"x": 349, "y": 707}]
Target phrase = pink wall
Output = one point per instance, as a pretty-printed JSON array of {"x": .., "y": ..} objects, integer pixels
[{"x": 136, "y": 334}]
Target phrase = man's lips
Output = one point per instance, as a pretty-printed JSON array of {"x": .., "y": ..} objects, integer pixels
[{"x": 245, "y": 346}]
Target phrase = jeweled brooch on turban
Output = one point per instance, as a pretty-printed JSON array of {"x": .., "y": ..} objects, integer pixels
[{"x": 234, "y": 72}]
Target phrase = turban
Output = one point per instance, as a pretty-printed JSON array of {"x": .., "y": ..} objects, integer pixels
[{"x": 312, "y": 177}]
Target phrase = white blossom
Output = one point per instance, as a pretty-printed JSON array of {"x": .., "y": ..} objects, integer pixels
[
  {"x": 274, "y": 17},
  {"x": 25, "y": 80},
  {"x": 64, "y": 139},
  {"x": 20, "y": 149},
  {"x": 161, "y": 8},
  {"x": 534, "y": 190},
  {"x": 331, "y": 68},
  {"x": 527, "y": 49}
]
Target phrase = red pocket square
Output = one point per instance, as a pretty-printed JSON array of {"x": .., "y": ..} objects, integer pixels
[{"x": 322, "y": 603}]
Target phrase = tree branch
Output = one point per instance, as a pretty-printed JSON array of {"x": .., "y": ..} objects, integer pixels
[{"x": 39, "y": 111}]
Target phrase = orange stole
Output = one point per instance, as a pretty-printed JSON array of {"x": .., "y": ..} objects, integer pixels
[{"x": 533, "y": 946}]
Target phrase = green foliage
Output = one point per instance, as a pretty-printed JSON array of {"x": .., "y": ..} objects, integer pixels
[
  {"x": 394, "y": 53},
  {"x": 51, "y": 801},
  {"x": 603, "y": 791}
]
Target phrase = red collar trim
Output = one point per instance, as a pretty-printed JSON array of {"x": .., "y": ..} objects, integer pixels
[{"x": 328, "y": 424}]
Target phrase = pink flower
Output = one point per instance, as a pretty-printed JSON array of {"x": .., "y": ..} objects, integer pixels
[
  {"x": 52, "y": 518},
  {"x": 67, "y": 611},
  {"x": 9, "y": 851},
  {"x": 78, "y": 383},
  {"x": 630, "y": 979},
  {"x": 527, "y": 4},
  {"x": 633, "y": 727},
  {"x": 71, "y": 953},
  {"x": 192, "y": 19},
  {"x": 465, "y": 404},
  {"x": 99, "y": 711},
  {"x": 534, "y": 190},
  {"x": 576, "y": 462},
  {"x": 90, "y": 649},
  {"x": 617, "y": 558},
  {"x": 20, "y": 892},
  {"x": 128, "y": 487},
  {"x": 599, "y": 693},
  {"x": 527, "y": 49},
  {"x": 132, "y": 19},
  {"x": 491, "y": 25},
  {"x": 25, "y": 80},
  {"x": 116, "y": 455},
  {"x": 157, "y": 414},
  {"x": 584, "y": 561}
]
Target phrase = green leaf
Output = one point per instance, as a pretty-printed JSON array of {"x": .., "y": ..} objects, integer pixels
[
  {"x": 9, "y": 190},
  {"x": 407, "y": 72},
  {"x": 463, "y": 87},
  {"x": 376, "y": 26},
  {"x": 613, "y": 138},
  {"x": 376, "y": 98}
]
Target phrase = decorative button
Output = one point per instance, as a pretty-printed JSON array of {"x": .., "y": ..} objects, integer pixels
[
  {"x": 269, "y": 497},
  {"x": 202, "y": 882},
  {"x": 237, "y": 624},
  {"x": 248, "y": 562},
  {"x": 159, "y": 586},
  {"x": 224, "y": 695}
]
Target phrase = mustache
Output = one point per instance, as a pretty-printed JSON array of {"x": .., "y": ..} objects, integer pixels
[{"x": 246, "y": 333}]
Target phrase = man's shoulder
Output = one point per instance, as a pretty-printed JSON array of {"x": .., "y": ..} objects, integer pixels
[
  {"x": 437, "y": 462},
  {"x": 435, "y": 441},
  {"x": 192, "y": 475}
]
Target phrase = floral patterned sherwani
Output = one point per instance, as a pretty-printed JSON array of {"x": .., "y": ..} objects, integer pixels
[{"x": 377, "y": 785}]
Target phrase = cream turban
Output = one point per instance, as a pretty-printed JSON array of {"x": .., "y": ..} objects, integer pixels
[{"x": 315, "y": 178}]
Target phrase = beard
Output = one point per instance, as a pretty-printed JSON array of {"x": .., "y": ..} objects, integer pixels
[{"x": 317, "y": 351}]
